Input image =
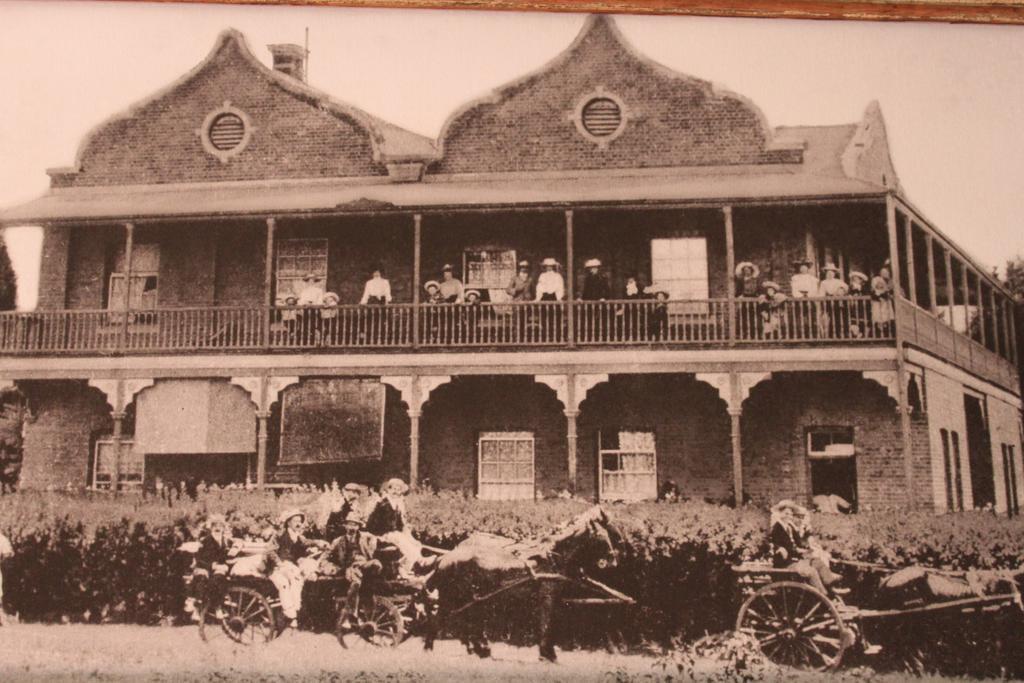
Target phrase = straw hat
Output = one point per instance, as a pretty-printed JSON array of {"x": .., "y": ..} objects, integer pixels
[
  {"x": 288, "y": 514},
  {"x": 830, "y": 266},
  {"x": 524, "y": 264},
  {"x": 331, "y": 298},
  {"x": 395, "y": 483},
  {"x": 803, "y": 262},
  {"x": 856, "y": 274},
  {"x": 431, "y": 283},
  {"x": 447, "y": 268},
  {"x": 310, "y": 277},
  {"x": 472, "y": 292},
  {"x": 354, "y": 517},
  {"x": 592, "y": 263},
  {"x": 770, "y": 284},
  {"x": 747, "y": 264},
  {"x": 549, "y": 262},
  {"x": 291, "y": 300},
  {"x": 352, "y": 486}
]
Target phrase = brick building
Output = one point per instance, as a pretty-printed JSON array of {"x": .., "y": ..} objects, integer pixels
[{"x": 166, "y": 344}]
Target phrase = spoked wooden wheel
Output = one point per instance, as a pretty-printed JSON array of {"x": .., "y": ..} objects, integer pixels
[
  {"x": 795, "y": 625},
  {"x": 379, "y": 622},
  {"x": 248, "y": 618}
]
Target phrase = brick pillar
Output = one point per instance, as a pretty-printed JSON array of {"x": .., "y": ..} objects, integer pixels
[
  {"x": 737, "y": 455},
  {"x": 115, "y": 438},
  {"x": 53, "y": 268}
]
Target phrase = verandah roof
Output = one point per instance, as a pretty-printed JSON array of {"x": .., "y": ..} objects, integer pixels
[{"x": 217, "y": 199}]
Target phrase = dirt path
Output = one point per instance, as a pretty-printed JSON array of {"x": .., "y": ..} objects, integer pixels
[{"x": 113, "y": 652}]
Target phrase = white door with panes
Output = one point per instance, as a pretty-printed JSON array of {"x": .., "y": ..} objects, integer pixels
[
  {"x": 506, "y": 466},
  {"x": 628, "y": 465}
]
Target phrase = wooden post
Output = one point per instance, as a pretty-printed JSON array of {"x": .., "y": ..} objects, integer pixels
[
  {"x": 730, "y": 276},
  {"x": 415, "y": 412},
  {"x": 268, "y": 281},
  {"x": 417, "y": 266},
  {"x": 981, "y": 309},
  {"x": 901, "y": 371},
  {"x": 571, "y": 437},
  {"x": 262, "y": 438},
  {"x": 736, "y": 437},
  {"x": 1011, "y": 327},
  {"x": 947, "y": 257},
  {"x": 570, "y": 280},
  {"x": 933, "y": 295},
  {"x": 908, "y": 228},
  {"x": 115, "y": 438},
  {"x": 129, "y": 245},
  {"x": 996, "y": 345}
]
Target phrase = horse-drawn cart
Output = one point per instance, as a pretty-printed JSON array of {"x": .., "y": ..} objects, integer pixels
[{"x": 797, "y": 625}]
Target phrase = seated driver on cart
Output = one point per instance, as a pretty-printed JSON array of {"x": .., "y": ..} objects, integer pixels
[
  {"x": 353, "y": 553},
  {"x": 291, "y": 564},
  {"x": 387, "y": 521},
  {"x": 793, "y": 547},
  {"x": 210, "y": 576}
]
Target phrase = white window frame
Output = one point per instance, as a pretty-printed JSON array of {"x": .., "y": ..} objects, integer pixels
[
  {"x": 499, "y": 282},
  {"x": 835, "y": 449},
  {"x": 491, "y": 488},
  {"x": 129, "y": 478},
  {"x": 288, "y": 280},
  {"x": 650, "y": 494},
  {"x": 676, "y": 291}
]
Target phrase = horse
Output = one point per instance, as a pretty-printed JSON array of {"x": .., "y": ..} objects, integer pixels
[{"x": 482, "y": 566}]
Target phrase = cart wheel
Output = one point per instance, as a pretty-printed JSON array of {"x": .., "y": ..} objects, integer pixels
[
  {"x": 248, "y": 618},
  {"x": 795, "y": 625},
  {"x": 379, "y": 622}
]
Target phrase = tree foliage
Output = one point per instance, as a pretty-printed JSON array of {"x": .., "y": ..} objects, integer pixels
[{"x": 8, "y": 280}]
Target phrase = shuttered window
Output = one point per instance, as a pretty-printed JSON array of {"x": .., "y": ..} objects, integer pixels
[{"x": 506, "y": 466}]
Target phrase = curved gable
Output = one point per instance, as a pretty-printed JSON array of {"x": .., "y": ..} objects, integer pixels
[
  {"x": 669, "y": 119},
  {"x": 293, "y": 131}
]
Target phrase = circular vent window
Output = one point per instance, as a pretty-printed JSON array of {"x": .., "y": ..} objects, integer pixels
[
  {"x": 602, "y": 117},
  {"x": 225, "y": 132}
]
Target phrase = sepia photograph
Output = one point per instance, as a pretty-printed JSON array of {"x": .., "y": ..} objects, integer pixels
[{"x": 377, "y": 344}]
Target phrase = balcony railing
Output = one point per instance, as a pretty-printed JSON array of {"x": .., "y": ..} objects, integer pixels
[{"x": 445, "y": 326}]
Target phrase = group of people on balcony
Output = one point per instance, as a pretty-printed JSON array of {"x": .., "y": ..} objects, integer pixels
[{"x": 777, "y": 316}]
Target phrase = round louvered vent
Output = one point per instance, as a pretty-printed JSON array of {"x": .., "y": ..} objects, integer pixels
[
  {"x": 601, "y": 117},
  {"x": 227, "y": 132}
]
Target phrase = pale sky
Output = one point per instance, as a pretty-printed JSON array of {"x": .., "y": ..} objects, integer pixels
[{"x": 952, "y": 96}]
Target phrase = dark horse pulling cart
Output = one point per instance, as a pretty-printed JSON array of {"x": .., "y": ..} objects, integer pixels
[
  {"x": 799, "y": 626},
  {"x": 476, "y": 573}
]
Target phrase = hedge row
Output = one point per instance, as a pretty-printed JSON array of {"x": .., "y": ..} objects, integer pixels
[{"x": 83, "y": 558}]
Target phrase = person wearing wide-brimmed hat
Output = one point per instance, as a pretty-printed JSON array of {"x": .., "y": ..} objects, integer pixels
[
  {"x": 746, "y": 279},
  {"x": 353, "y": 554},
  {"x": 520, "y": 287},
  {"x": 216, "y": 549},
  {"x": 595, "y": 319},
  {"x": 803, "y": 283},
  {"x": 350, "y": 499},
  {"x": 550, "y": 283},
  {"x": 452, "y": 291},
  {"x": 859, "y": 312},
  {"x": 770, "y": 306},
  {"x": 882, "y": 313},
  {"x": 657, "y": 320},
  {"x": 387, "y": 521},
  {"x": 794, "y": 547},
  {"x": 293, "y": 565},
  {"x": 312, "y": 290},
  {"x": 831, "y": 318}
]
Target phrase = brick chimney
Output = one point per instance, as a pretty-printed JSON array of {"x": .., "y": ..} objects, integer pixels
[{"x": 289, "y": 59}]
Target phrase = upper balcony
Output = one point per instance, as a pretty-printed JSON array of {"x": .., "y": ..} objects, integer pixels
[{"x": 706, "y": 323}]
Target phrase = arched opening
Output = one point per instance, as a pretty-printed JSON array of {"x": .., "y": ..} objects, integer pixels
[
  {"x": 495, "y": 437},
  {"x": 638, "y": 432}
]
